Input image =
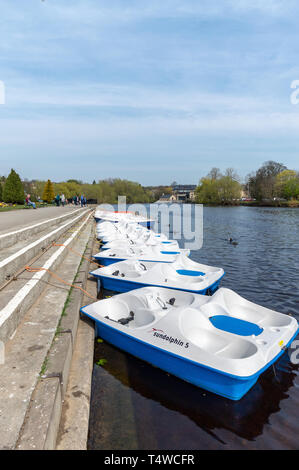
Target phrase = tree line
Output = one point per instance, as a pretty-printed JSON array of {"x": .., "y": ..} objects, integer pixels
[
  {"x": 273, "y": 182},
  {"x": 14, "y": 190},
  {"x": 217, "y": 188}
]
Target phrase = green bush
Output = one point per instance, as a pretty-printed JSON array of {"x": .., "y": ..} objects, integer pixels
[
  {"x": 48, "y": 194},
  {"x": 13, "y": 191}
]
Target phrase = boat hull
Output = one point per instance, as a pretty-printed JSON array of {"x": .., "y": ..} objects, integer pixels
[
  {"x": 225, "y": 385},
  {"x": 107, "y": 261},
  {"x": 121, "y": 285},
  {"x": 148, "y": 224}
]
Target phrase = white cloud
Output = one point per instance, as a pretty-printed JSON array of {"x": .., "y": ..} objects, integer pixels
[
  {"x": 134, "y": 96},
  {"x": 71, "y": 132},
  {"x": 2, "y": 92},
  {"x": 118, "y": 11}
]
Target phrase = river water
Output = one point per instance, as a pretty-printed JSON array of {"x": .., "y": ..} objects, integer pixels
[{"x": 137, "y": 406}]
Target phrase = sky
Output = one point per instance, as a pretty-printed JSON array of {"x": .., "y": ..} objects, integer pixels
[{"x": 147, "y": 90}]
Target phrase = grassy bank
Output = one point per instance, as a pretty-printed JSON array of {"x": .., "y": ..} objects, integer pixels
[
  {"x": 14, "y": 207},
  {"x": 292, "y": 203},
  {"x": 285, "y": 204}
]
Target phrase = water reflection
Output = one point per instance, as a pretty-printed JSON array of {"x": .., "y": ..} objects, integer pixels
[{"x": 155, "y": 393}]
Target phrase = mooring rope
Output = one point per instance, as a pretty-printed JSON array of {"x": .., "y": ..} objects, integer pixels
[{"x": 36, "y": 270}]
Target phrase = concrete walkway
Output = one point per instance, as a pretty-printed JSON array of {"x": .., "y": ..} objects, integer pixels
[{"x": 15, "y": 220}]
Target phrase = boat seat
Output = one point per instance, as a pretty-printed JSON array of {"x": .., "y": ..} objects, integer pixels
[
  {"x": 143, "y": 317},
  {"x": 235, "y": 325},
  {"x": 200, "y": 331}
]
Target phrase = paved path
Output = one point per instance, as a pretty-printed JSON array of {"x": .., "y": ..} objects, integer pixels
[{"x": 14, "y": 220}]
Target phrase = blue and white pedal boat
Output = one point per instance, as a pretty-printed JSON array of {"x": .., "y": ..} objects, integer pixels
[
  {"x": 116, "y": 217},
  {"x": 105, "y": 229},
  {"x": 151, "y": 254},
  {"x": 182, "y": 274},
  {"x": 140, "y": 236},
  {"x": 171, "y": 245},
  {"x": 221, "y": 343}
]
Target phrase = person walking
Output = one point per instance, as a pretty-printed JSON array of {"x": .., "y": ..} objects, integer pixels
[
  {"x": 62, "y": 199},
  {"x": 57, "y": 200}
]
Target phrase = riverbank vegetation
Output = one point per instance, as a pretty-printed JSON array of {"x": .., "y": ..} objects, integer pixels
[
  {"x": 273, "y": 184},
  {"x": 217, "y": 188},
  {"x": 14, "y": 191}
]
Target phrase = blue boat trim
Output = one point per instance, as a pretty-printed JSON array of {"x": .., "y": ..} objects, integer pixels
[
  {"x": 235, "y": 325},
  {"x": 137, "y": 285},
  {"x": 111, "y": 260},
  {"x": 170, "y": 252}
]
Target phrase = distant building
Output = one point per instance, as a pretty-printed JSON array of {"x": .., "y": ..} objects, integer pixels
[
  {"x": 167, "y": 198},
  {"x": 180, "y": 193},
  {"x": 245, "y": 193},
  {"x": 184, "y": 192}
]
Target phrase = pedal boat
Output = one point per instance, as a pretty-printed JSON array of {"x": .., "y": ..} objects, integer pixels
[
  {"x": 221, "y": 343},
  {"x": 182, "y": 274},
  {"x": 150, "y": 254}
]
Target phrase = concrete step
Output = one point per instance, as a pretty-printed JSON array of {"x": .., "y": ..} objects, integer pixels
[
  {"x": 32, "y": 379},
  {"x": 20, "y": 294},
  {"x": 30, "y": 242},
  {"x": 18, "y": 225}
]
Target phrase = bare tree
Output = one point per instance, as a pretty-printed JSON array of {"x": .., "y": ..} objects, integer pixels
[{"x": 215, "y": 174}]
